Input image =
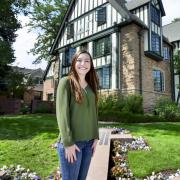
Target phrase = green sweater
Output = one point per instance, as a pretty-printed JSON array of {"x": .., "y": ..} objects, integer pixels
[{"x": 77, "y": 122}]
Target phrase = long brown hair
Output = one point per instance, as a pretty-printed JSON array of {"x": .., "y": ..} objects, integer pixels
[{"x": 91, "y": 78}]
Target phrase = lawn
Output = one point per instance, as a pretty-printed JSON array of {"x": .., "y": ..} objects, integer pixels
[{"x": 26, "y": 140}]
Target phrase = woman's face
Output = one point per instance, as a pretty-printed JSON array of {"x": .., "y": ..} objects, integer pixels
[{"x": 83, "y": 64}]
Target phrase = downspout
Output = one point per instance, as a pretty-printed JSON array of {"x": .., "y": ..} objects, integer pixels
[
  {"x": 172, "y": 75},
  {"x": 140, "y": 33}
]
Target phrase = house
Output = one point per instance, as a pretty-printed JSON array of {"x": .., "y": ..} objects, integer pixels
[
  {"x": 34, "y": 92},
  {"x": 171, "y": 31},
  {"x": 126, "y": 42}
]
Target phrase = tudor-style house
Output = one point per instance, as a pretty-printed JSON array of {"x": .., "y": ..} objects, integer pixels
[
  {"x": 171, "y": 31},
  {"x": 126, "y": 43}
]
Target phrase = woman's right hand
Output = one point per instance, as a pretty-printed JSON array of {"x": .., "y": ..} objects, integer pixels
[{"x": 70, "y": 153}]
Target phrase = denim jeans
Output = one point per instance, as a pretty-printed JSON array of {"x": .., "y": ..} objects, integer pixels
[{"x": 77, "y": 170}]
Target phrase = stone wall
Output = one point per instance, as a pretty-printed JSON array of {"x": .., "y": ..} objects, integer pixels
[{"x": 130, "y": 68}]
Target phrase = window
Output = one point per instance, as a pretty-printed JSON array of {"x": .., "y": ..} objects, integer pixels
[
  {"x": 50, "y": 97},
  {"x": 102, "y": 47},
  {"x": 101, "y": 16},
  {"x": 104, "y": 77},
  {"x": 155, "y": 40},
  {"x": 166, "y": 53},
  {"x": 70, "y": 31},
  {"x": 67, "y": 58},
  {"x": 155, "y": 15},
  {"x": 158, "y": 81}
]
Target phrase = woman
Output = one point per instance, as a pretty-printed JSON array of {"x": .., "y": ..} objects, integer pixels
[{"x": 76, "y": 110}]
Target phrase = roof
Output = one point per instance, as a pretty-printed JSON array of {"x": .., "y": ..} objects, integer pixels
[
  {"x": 171, "y": 31},
  {"x": 132, "y": 4},
  {"x": 135, "y": 3},
  {"x": 33, "y": 72}
]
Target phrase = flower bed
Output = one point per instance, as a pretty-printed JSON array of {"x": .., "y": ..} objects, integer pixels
[
  {"x": 18, "y": 172},
  {"x": 118, "y": 162}
]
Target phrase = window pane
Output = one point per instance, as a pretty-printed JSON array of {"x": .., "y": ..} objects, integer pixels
[
  {"x": 155, "y": 42},
  {"x": 101, "y": 16},
  {"x": 102, "y": 47},
  {"x": 158, "y": 80}
]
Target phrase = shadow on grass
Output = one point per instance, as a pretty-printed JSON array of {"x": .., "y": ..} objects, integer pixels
[{"x": 27, "y": 126}]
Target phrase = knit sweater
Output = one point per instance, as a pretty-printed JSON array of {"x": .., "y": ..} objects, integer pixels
[{"x": 77, "y": 122}]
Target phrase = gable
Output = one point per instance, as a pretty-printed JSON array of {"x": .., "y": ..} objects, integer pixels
[{"x": 83, "y": 15}]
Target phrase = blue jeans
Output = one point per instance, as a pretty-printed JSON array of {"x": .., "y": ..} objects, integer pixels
[{"x": 77, "y": 170}]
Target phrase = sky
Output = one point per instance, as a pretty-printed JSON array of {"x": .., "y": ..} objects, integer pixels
[{"x": 25, "y": 41}]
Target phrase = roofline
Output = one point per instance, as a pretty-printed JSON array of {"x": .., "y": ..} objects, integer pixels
[{"x": 61, "y": 27}]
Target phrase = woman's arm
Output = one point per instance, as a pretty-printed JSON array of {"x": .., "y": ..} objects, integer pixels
[{"x": 63, "y": 111}]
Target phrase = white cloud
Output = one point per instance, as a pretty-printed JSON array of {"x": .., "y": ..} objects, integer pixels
[{"x": 24, "y": 42}]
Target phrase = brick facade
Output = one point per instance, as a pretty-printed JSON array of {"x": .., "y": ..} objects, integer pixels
[{"x": 130, "y": 68}]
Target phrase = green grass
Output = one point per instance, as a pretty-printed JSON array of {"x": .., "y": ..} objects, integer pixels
[
  {"x": 26, "y": 140},
  {"x": 164, "y": 138}
]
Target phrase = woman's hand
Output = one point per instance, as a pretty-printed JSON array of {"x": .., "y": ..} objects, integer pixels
[
  {"x": 94, "y": 146},
  {"x": 70, "y": 153}
]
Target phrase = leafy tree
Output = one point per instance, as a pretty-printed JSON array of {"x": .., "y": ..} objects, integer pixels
[
  {"x": 176, "y": 58},
  {"x": 8, "y": 26},
  {"x": 46, "y": 17}
]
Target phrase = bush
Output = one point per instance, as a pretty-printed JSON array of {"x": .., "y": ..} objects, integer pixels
[
  {"x": 43, "y": 107},
  {"x": 25, "y": 109},
  {"x": 167, "y": 109},
  {"x": 126, "y": 117},
  {"x": 120, "y": 103}
]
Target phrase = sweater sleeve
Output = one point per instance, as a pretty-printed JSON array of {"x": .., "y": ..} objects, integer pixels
[{"x": 63, "y": 112}]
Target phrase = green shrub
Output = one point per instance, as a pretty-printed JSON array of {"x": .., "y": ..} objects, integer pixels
[
  {"x": 126, "y": 117},
  {"x": 133, "y": 104},
  {"x": 120, "y": 103},
  {"x": 24, "y": 109},
  {"x": 167, "y": 109},
  {"x": 43, "y": 108}
]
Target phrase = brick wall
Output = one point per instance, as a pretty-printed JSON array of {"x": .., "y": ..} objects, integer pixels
[{"x": 130, "y": 79}]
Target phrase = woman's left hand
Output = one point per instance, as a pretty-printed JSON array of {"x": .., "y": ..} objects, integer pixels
[{"x": 94, "y": 146}]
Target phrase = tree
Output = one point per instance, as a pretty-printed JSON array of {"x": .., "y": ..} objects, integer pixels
[
  {"x": 8, "y": 26},
  {"x": 176, "y": 19},
  {"x": 46, "y": 17},
  {"x": 176, "y": 58}
]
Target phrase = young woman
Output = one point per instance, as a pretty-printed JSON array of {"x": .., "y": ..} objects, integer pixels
[{"x": 76, "y": 110}]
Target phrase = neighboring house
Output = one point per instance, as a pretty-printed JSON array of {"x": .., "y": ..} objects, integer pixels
[
  {"x": 172, "y": 32},
  {"x": 34, "y": 92},
  {"x": 126, "y": 43},
  {"x": 49, "y": 82}
]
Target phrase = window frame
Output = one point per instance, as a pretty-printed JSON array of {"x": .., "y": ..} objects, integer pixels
[
  {"x": 70, "y": 31},
  {"x": 159, "y": 84},
  {"x": 104, "y": 79},
  {"x": 103, "y": 45},
  {"x": 101, "y": 15}
]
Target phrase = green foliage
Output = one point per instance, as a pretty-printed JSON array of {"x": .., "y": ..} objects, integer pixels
[
  {"x": 24, "y": 109},
  {"x": 120, "y": 103},
  {"x": 44, "y": 107},
  {"x": 167, "y": 109},
  {"x": 46, "y": 17},
  {"x": 127, "y": 117}
]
